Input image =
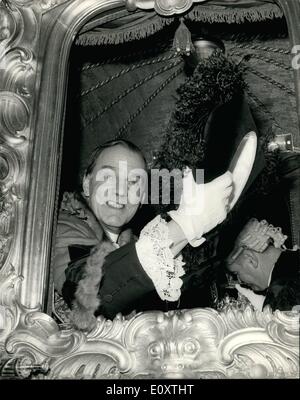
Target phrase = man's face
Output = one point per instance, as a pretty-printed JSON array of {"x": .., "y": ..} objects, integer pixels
[
  {"x": 116, "y": 186},
  {"x": 246, "y": 268}
]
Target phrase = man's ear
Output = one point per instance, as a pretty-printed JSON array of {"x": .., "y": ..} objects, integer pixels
[
  {"x": 86, "y": 185},
  {"x": 251, "y": 258}
]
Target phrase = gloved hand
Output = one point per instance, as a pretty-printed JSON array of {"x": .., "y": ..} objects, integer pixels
[
  {"x": 257, "y": 300},
  {"x": 202, "y": 206}
]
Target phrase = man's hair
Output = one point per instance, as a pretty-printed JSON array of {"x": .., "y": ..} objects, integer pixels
[{"x": 111, "y": 143}]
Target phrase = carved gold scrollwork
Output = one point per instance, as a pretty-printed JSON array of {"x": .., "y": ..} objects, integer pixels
[
  {"x": 49, "y": 4},
  {"x": 268, "y": 350},
  {"x": 176, "y": 344},
  {"x": 162, "y": 7},
  {"x": 14, "y": 115},
  {"x": 20, "y": 368},
  {"x": 18, "y": 36},
  {"x": 9, "y": 309},
  {"x": 199, "y": 343},
  {"x": 9, "y": 198},
  {"x": 7, "y": 30},
  {"x": 18, "y": 27},
  {"x": 20, "y": 3}
]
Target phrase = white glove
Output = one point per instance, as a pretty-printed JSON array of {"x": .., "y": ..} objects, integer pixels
[
  {"x": 257, "y": 300},
  {"x": 202, "y": 206}
]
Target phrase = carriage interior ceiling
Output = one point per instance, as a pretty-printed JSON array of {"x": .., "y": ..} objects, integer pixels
[{"x": 124, "y": 74}]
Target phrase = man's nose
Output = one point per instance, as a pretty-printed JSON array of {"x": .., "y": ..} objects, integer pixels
[{"x": 122, "y": 187}]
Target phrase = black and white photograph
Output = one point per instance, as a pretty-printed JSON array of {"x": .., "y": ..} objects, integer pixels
[{"x": 149, "y": 192}]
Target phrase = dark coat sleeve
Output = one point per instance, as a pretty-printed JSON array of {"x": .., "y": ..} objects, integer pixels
[
  {"x": 123, "y": 284},
  {"x": 284, "y": 294},
  {"x": 284, "y": 291}
]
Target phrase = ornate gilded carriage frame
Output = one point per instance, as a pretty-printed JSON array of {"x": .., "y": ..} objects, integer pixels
[{"x": 35, "y": 41}]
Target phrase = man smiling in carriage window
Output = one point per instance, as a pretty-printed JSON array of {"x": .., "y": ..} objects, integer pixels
[{"x": 100, "y": 268}]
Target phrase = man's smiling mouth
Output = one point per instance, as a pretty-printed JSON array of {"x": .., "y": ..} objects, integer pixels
[{"x": 115, "y": 205}]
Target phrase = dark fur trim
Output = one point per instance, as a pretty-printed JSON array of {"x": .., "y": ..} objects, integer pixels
[
  {"x": 86, "y": 296},
  {"x": 86, "y": 300}
]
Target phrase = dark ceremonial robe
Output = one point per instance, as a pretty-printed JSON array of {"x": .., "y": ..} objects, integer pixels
[
  {"x": 122, "y": 285},
  {"x": 91, "y": 274},
  {"x": 283, "y": 292},
  {"x": 126, "y": 286}
]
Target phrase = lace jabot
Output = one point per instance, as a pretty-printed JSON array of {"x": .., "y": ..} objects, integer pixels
[{"x": 156, "y": 258}]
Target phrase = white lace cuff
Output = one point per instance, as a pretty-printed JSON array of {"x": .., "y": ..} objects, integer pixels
[{"x": 156, "y": 258}]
